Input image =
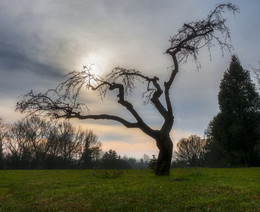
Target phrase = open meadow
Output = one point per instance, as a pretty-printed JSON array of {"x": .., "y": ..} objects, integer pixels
[{"x": 193, "y": 189}]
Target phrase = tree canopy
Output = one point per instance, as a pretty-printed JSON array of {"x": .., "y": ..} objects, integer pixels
[{"x": 191, "y": 150}]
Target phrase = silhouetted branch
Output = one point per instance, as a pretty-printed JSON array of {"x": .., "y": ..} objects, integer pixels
[
  {"x": 63, "y": 101},
  {"x": 102, "y": 116},
  {"x": 195, "y": 35},
  {"x": 192, "y": 37},
  {"x": 42, "y": 103},
  {"x": 47, "y": 103}
]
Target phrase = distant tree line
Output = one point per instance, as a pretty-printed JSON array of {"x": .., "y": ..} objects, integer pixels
[
  {"x": 233, "y": 136},
  {"x": 37, "y": 143}
]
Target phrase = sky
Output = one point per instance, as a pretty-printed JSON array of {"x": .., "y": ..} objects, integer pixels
[{"x": 41, "y": 41}]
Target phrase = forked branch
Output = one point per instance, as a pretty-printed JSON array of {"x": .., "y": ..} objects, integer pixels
[{"x": 195, "y": 35}]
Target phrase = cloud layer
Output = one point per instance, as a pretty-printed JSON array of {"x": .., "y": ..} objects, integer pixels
[{"x": 41, "y": 41}]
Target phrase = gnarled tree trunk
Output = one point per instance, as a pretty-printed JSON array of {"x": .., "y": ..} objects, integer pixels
[{"x": 165, "y": 145}]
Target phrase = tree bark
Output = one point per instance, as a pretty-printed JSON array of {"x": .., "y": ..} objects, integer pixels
[{"x": 165, "y": 145}]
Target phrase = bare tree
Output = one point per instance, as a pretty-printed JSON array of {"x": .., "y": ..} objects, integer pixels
[
  {"x": 90, "y": 151},
  {"x": 191, "y": 150},
  {"x": 63, "y": 101},
  {"x": 36, "y": 132},
  {"x": 53, "y": 140},
  {"x": 3, "y": 135},
  {"x": 70, "y": 141},
  {"x": 18, "y": 147},
  {"x": 27, "y": 142}
]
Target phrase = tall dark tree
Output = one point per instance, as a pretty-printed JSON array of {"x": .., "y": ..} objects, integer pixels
[
  {"x": 236, "y": 127},
  {"x": 215, "y": 155},
  {"x": 186, "y": 43}
]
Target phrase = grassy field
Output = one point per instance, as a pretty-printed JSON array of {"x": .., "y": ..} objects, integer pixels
[{"x": 195, "y": 189}]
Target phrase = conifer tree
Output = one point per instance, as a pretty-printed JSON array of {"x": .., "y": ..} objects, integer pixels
[{"x": 236, "y": 126}]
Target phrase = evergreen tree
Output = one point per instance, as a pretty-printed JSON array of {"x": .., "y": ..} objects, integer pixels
[
  {"x": 111, "y": 160},
  {"x": 236, "y": 127}
]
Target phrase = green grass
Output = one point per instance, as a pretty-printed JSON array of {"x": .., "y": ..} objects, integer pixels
[{"x": 195, "y": 189}]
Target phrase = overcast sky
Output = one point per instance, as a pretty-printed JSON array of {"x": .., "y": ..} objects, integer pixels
[{"x": 41, "y": 41}]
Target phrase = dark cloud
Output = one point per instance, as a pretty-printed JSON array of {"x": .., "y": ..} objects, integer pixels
[
  {"x": 12, "y": 61},
  {"x": 21, "y": 73}
]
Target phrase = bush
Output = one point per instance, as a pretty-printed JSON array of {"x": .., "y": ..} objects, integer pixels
[{"x": 152, "y": 163}]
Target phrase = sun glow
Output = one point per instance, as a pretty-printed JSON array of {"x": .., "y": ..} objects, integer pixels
[{"x": 93, "y": 62}]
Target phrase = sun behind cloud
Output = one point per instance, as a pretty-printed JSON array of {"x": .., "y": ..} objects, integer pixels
[{"x": 93, "y": 62}]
